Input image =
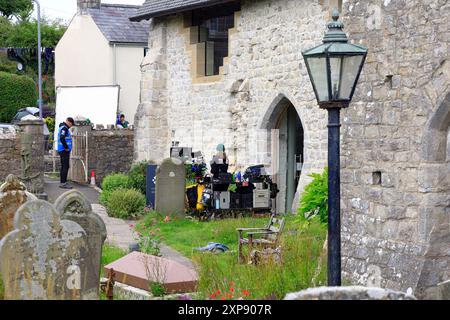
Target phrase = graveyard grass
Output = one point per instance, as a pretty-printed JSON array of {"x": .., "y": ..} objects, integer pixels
[
  {"x": 220, "y": 277},
  {"x": 109, "y": 255}
]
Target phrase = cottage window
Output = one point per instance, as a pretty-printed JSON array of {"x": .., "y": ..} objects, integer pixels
[{"x": 212, "y": 27}]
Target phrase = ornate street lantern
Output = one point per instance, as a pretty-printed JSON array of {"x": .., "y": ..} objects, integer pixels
[
  {"x": 335, "y": 66},
  {"x": 334, "y": 69}
]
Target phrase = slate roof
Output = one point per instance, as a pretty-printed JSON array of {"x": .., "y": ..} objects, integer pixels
[
  {"x": 158, "y": 8},
  {"x": 113, "y": 21}
]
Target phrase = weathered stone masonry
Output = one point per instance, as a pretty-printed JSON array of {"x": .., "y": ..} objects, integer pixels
[
  {"x": 111, "y": 151},
  {"x": 395, "y": 173},
  {"x": 395, "y": 163},
  {"x": 263, "y": 71},
  {"x": 22, "y": 154}
]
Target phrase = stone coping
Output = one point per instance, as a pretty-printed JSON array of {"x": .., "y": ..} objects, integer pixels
[{"x": 349, "y": 293}]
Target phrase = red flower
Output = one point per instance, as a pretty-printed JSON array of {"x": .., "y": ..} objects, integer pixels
[
  {"x": 229, "y": 295},
  {"x": 167, "y": 219},
  {"x": 218, "y": 292},
  {"x": 213, "y": 296},
  {"x": 246, "y": 293},
  {"x": 231, "y": 289},
  {"x": 223, "y": 298},
  {"x": 232, "y": 283}
]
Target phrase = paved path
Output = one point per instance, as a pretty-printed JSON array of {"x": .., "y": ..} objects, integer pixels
[{"x": 53, "y": 190}]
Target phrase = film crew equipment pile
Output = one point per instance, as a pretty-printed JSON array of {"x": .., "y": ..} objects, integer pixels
[{"x": 220, "y": 193}]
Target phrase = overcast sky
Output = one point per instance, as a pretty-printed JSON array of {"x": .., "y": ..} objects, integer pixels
[{"x": 65, "y": 9}]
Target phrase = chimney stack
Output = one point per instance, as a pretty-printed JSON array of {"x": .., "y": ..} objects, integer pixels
[{"x": 88, "y": 4}]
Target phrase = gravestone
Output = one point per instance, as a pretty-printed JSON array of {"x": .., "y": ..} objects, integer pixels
[
  {"x": 44, "y": 257},
  {"x": 13, "y": 195},
  {"x": 171, "y": 187},
  {"x": 74, "y": 206}
]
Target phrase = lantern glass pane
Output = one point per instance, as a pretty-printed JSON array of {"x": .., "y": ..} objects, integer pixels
[
  {"x": 350, "y": 69},
  {"x": 318, "y": 69},
  {"x": 336, "y": 74}
]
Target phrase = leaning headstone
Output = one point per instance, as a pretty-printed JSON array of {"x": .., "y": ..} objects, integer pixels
[
  {"x": 74, "y": 206},
  {"x": 171, "y": 187},
  {"x": 44, "y": 257},
  {"x": 348, "y": 293},
  {"x": 13, "y": 195}
]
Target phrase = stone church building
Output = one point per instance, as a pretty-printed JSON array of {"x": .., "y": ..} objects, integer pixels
[{"x": 231, "y": 72}]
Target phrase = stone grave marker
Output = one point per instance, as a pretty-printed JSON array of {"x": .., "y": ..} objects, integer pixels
[
  {"x": 44, "y": 257},
  {"x": 171, "y": 187},
  {"x": 74, "y": 206},
  {"x": 13, "y": 195}
]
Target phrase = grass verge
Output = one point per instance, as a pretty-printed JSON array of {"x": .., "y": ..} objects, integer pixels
[{"x": 220, "y": 277}]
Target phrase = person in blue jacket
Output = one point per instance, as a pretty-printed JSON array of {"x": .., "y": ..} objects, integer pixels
[{"x": 64, "y": 149}]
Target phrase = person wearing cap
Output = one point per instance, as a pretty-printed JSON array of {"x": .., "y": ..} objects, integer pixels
[
  {"x": 64, "y": 149},
  {"x": 122, "y": 123}
]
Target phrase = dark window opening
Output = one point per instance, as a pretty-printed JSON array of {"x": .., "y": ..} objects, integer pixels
[
  {"x": 376, "y": 178},
  {"x": 214, "y": 24}
]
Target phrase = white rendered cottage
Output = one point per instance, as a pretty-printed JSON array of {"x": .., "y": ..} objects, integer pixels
[{"x": 102, "y": 47}]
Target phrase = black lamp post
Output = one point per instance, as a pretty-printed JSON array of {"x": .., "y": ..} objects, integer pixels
[{"x": 334, "y": 69}]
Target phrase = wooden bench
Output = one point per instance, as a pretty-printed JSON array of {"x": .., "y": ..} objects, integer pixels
[{"x": 262, "y": 238}]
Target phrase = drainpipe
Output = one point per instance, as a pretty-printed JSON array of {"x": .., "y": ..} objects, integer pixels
[
  {"x": 115, "y": 73},
  {"x": 114, "y": 64}
]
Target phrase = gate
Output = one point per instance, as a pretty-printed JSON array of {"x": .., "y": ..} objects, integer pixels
[{"x": 79, "y": 157}]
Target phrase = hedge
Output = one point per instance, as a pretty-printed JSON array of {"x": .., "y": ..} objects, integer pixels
[{"x": 16, "y": 92}]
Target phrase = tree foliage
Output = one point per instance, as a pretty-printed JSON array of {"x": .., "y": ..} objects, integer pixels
[
  {"x": 16, "y": 8},
  {"x": 24, "y": 34}
]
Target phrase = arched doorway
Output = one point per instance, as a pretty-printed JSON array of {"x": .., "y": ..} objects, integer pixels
[{"x": 287, "y": 150}]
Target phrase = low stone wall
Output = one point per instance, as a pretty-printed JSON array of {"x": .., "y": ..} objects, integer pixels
[
  {"x": 9, "y": 152},
  {"x": 110, "y": 151},
  {"x": 348, "y": 293}
]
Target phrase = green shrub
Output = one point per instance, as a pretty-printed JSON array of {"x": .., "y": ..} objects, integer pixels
[
  {"x": 111, "y": 183},
  {"x": 116, "y": 181},
  {"x": 314, "y": 200},
  {"x": 15, "y": 92},
  {"x": 50, "y": 124},
  {"x": 104, "y": 196},
  {"x": 126, "y": 204},
  {"x": 138, "y": 176}
]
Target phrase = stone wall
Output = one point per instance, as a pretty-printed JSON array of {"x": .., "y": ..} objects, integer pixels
[
  {"x": 22, "y": 154},
  {"x": 110, "y": 151},
  {"x": 264, "y": 70},
  {"x": 395, "y": 170},
  {"x": 9, "y": 152}
]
